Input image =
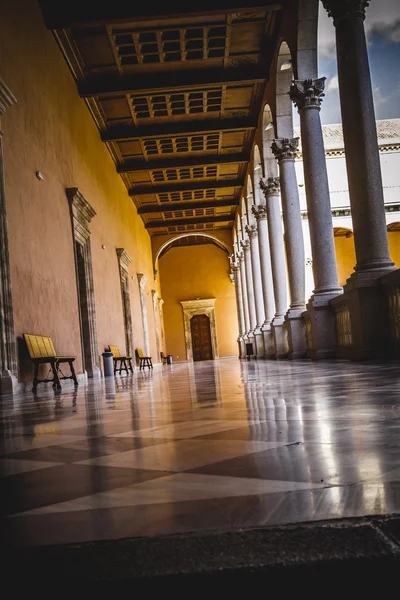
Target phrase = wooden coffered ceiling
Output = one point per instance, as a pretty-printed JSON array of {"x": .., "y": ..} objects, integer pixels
[{"x": 176, "y": 97}]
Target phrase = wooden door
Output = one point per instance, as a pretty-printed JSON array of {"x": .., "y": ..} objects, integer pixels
[{"x": 201, "y": 337}]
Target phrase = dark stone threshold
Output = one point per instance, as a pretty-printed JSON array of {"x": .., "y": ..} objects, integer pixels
[{"x": 365, "y": 551}]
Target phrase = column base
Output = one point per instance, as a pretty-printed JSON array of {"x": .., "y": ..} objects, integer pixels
[
  {"x": 94, "y": 373},
  {"x": 321, "y": 337},
  {"x": 359, "y": 279},
  {"x": 8, "y": 383},
  {"x": 296, "y": 329},
  {"x": 269, "y": 345},
  {"x": 362, "y": 320},
  {"x": 242, "y": 347},
  {"x": 259, "y": 343},
  {"x": 280, "y": 336}
]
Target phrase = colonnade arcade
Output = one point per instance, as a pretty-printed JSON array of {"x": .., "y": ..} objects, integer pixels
[{"x": 268, "y": 261}]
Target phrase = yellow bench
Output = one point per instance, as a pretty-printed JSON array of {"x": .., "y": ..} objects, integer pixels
[
  {"x": 144, "y": 361},
  {"x": 123, "y": 360},
  {"x": 41, "y": 350}
]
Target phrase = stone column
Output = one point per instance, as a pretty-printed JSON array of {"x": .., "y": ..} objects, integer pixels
[
  {"x": 271, "y": 191},
  {"x": 250, "y": 288},
  {"x": 260, "y": 213},
  {"x": 243, "y": 282},
  {"x": 307, "y": 96},
  {"x": 285, "y": 152},
  {"x": 360, "y": 140},
  {"x": 8, "y": 353},
  {"x": 257, "y": 284},
  {"x": 240, "y": 309}
]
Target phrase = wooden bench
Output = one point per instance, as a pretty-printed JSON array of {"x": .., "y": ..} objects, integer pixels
[
  {"x": 122, "y": 359},
  {"x": 144, "y": 361},
  {"x": 41, "y": 350}
]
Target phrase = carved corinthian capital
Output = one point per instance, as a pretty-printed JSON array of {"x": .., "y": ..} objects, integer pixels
[
  {"x": 252, "y": 231},
  {"x": 307, "y": 93},
  {"x": 271, "y": 186},
  {"x": 245, "y": 244},
  {"x": 260, "y": 212},
  {"x": 345, "y": 9},
  {"x": 285, "y": 148}
]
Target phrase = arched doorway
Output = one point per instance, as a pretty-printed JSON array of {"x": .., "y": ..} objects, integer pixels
[
  {"x": 201, "y": 337},
  {"x": 393, "y": 230},
  {"x": 345, "y": 253}
]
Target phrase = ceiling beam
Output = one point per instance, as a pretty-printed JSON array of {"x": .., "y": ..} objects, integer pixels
[
  {"x": 145, "y": 83},
  {"x": 117, "y": 133},
  {"x": 59, "y": 15},
  {"x": 185, "y": 186},
  {"x": 148, "y": 209},
  {"x": 130, "y": 166},
  {"x": 192, "y": 221}
]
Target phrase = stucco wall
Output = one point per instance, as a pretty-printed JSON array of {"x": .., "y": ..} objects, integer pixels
[
  {"x": 198, "y": 272},
  {"x": 50, "y": 129}
]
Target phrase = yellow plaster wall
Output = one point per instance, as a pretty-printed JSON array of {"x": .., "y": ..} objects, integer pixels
[
  {"x": 345, "y": 257},
  {"x": 198, "y": 271},
  {"x": 50, "y": 129},
  {"x": 394, "y": 247}
]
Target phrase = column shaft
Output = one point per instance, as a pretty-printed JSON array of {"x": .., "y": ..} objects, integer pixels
[
  {"x": 275, "y": 231},
  {"x": 260, "y": 213},
  {"x": 307, "y": 95},
  {"x": 360, "y": 139},
  {"x": 285, "y": 151},
  {"x": 271, "y": 191},
  {"x": 250, "y": 286},
  {"x": 244, "y": 293},
  {"x": 239, "y": 300},
  {"x": 256, "y": 272}
]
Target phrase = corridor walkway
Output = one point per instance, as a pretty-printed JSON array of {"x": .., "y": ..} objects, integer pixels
[{"x": 210, "y": 446}]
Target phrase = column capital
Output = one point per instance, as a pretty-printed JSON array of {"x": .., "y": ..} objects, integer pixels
[
  {"x": 252, "y": 231},
  {"x": 270, "y": 186},
  {"x": 345, "y": 9},
  {"x": 260, "y": 212},
  {"x": 285, "y": 148},
  {"x": 245, "y": 244},
  {"x": 307, "y": 93}
]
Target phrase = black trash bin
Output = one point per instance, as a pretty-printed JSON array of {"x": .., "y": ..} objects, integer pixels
[
  {"x": 108, "y": 364},
  {"x": 249, "y": 351},
  {"x": 169, "y": 359}
]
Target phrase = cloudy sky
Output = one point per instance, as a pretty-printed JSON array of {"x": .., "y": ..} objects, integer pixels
[{"x": 382, "y": 25}]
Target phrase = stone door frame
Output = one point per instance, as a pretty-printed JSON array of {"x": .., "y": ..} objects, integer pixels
[
  {"x": 199, "y": 307},
  {"x": 81, "y": 215}
]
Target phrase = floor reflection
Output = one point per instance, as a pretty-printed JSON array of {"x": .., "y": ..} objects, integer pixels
[{"x": 212, "y": 445}]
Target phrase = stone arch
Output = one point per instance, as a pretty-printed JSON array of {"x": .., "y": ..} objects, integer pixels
[
  {"x": 284, "y": 109},
  {"x": 307, "y": 40},
  {"x": 250, "y": 201},
  {"x": 393, "y": 230},
  {"x": 270, "y": 165},
  {"x": 258, "y": 172},
  {"x": 165, "y": 246},
  {"x": 243, "y": 216},
  {"x": 345, "y": 252}
]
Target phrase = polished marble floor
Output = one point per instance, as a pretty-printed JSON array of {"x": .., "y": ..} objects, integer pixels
[{"x": 194, "y": 447}]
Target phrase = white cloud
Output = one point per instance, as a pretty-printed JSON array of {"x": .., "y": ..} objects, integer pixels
[
  {"x": 382, "y": 16},
  {"x": 333, "y": 84},
  {"x": 379, "y": 98}
]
